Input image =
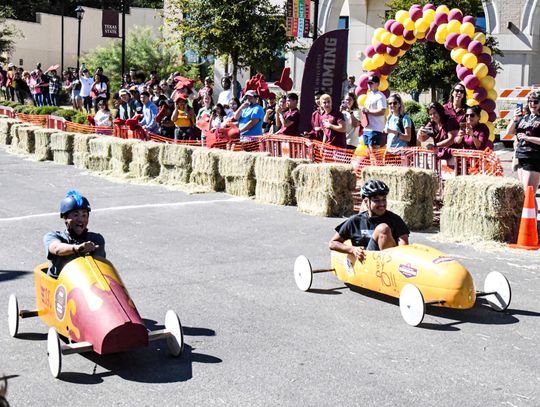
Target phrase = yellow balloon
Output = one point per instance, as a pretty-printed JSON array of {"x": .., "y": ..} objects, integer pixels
[
  {"x": 469, "y": 60},
  {"x": 488, "y": 82},
  {"x": 378, "y": 60},
  {"x": 490, "y": 126},
  {"x": 486, "y": 50},
  {"x": 484, "y": 117},
  {"x": 378, "y": 33},
  {"x": 419, "y": 34},
  {"x": 390, "y": 60},
  {"x": 421, "y": 25},
  {"x": 402, "y": 15},
  {"x": 384, "y": 84},
  {"x": 442, "y": 9},
  {"x": 411, "y": 41},
  {"x": 396, "y": 40},
  {"x": 454, "y": 26},
  {"x": 459, "y": 53},
  {"x": 385, "y": 38},
  {"x": 469, "y": 93},
  {"x": 408, "y": 24},
  {"x": 367, "y": 64},
  {"x": 467, "y": 28},
  {"x": 439, "y": 38},
  {"x": 429, "y": 15},
  {"x": 401, "y": 52},
  {"x": 374, "y": 41},
  {"x": 443, "y": 29},
  {"x": 361, "y": 100},
  {"x": 492, "y": 94},
  {"x": 480, "y": 71},
  {"x": 472, "y": 102},
  {"x": 491, "y": 136},
  {"x": 480, "y": 37}
]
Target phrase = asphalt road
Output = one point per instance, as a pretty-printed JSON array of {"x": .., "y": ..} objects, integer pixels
[{"x": 252, "y": 338}]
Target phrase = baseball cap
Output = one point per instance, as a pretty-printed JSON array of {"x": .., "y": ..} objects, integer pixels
[
  {"x": 374, "y": 79},
  {"x": 251, "y": 93},
  {"x": 123, "y": 92}
]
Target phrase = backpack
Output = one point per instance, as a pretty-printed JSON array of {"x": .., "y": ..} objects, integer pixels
[{"x": 413, "y": 141}]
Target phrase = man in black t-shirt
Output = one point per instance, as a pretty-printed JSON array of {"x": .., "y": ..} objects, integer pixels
[{"x": 374, "y": 229}]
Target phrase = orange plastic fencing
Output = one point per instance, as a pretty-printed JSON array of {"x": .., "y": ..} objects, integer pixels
[
  {"x": 88, "y": 129},
  {"x": 161, "y": 139},
  {"x": 36, "y": 119},
  {"x": 287, "y": 146}
]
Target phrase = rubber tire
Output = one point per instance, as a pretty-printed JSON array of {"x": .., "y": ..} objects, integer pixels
[
  {"x": 412, "y": 305},
  {"x": 303, "y": 273},
  {"x": 496, "y": 281},
  {"x": 54, "y": 352},
  {"x": 13, "y": 315}
]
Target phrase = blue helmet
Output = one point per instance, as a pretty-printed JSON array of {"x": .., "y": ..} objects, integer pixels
[{"x": 73, "y": 200}]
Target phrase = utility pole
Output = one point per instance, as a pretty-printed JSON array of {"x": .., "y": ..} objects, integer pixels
[{"x": 315, "y": 19}]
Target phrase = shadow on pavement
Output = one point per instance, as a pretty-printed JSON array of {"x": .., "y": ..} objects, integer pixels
[
  {"x": 327, "y": 291},
  {"x": 6, "y": 275}
]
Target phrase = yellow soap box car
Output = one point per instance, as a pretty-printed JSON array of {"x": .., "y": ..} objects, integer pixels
[
  {"x": 416, "y": 274},
  {"x": 89, "y": 306}
]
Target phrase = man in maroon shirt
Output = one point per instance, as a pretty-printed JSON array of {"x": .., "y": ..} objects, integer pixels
[{"x": 290, "y": 119}]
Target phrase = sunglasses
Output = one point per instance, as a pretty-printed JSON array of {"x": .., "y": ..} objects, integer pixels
[
  {"x": 534, "y": 101},
  {"x": 393, "y": 103},
  {"x": 459, "y": 90},
  {"x": 470, "y": 115}
]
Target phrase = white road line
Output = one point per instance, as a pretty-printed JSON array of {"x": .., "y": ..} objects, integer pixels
[{"x": 128, "y": 207}]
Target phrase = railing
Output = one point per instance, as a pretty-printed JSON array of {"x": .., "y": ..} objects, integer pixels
[{"x": 7, "y": 111}]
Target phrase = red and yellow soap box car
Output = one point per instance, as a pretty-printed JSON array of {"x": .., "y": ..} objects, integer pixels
[
  {"x": 89, "y": 305},
  {"x": 418, "y": 275}
]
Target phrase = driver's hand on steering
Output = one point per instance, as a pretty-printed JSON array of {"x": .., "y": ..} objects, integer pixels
[
  {"x": 86, "y": 247},
  {"x": 359, "y": 253}
]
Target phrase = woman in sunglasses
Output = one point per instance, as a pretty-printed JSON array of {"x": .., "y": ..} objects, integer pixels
[
  {"x": 472, "y": 134},
  {"x": 457, "y": 106},
  {"x": 441, "y": 127},
  {"x": 527, "y": 145},
  {"x": 398, "y": 125}
]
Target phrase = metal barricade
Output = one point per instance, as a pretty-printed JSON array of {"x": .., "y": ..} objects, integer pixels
[
  {"x": 287, "y": 146},
  {"x": 7, "y": 111},
  {"x": 56, "y": 122}
]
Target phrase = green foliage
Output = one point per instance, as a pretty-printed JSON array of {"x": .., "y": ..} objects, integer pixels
[
  {"x": 7, "y": 33},
  {"x": 46, "y": 110},
  {"x": 420, "y": 118},
  {"x": 412, "y": 107},
  {"x": 144, "y": 51},
  {"x": 80, "y": 117},
  {"x": 428, "y": 65},
  {"x": 67, "y": 114}
]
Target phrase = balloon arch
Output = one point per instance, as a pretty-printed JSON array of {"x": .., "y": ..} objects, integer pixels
[{"x": 435, "y": 24}]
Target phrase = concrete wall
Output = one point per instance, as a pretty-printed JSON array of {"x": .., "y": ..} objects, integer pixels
[{"x": 41, "y": 40}]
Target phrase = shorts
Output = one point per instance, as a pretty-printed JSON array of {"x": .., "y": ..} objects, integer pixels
[
  {"x": 372, "y": 137},
  {"x": 529, "y": 164},
  {"x": 372, "y": 245}
]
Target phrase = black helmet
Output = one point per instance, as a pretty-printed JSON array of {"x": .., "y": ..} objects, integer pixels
[
  {"x": 374, "y": 187},
  {"x": 73, "y": 200}
]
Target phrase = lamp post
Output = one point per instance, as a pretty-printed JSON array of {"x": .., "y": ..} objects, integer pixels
[{"x": 79, "y": 12}]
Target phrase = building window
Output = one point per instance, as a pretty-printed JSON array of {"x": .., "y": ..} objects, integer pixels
[{"x": 343, "y": 23}]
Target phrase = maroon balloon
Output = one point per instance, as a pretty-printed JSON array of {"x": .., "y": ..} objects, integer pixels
[
  {"x": 392, "y": 51},
  {"x": 471, "y": 82},
  {"x": 492, "y": 116},
  {"x": 374, "y": 73},
  {"x": 463, "y": 41},
  {"x": 360, "y": 91},
  {"x": 469, "y": 19},
  {"x": 408, "y": 35},
  {"x": 475, "y": 47},
  {"x": 480, "y": 94},
  {"x": 386, "y": 93},
  {"x": 440, "y": 18},
  {"x": 370, "y": 51},
  {"x": 397, "y": 28},
  {"x": 451, "y": 41},
  {"x": 492, "y": 71},
  {"x": 455, "y": 14},
  {"x": 458, "y": 67},
  {"x": 387, "y": 69},
  {"x": 488, "y": 105},
  {"x": 463, "y": 73},
  {"x": 415, "y": 12},
  {"x": 380, "y": 48},
  {"x": 429, "y": 6},
  {"x": 388, "y": 24},
  {"x": 485, "y": 59},
  {"x": 406, "y": 46},
  {"x": 430, "y": 34},
  {"x": 363, "y": 81}
]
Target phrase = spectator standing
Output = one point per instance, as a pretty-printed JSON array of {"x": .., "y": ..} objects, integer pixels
[
  {"x": 233, "y": 104},
  {"x": 206, "y": 106},
  {"x": 269, "y": 122},
  {"x": 183, "y": 117},
  {"x": 398, "y": 124},
  {"x": 473, "y": 134},
  {"x": 352, "y": 116},
  {"x": 217, "y": 118},
  {"x": 441, "y": 127},
  {"x": 208, "y": 88},
  {"x": 46, "y": 96},
  {"x": 457, "y": 106},
  {"x": 126, "y": 108},
  {"x": 290, "y": 118},
  {"x": 316, "y": 123},
  {"x": 153, "y": 81},
  {"x": 33, "y": 83},
  {"x": 86, "y": 87},
  {"x": 374, "y": 108},
  {"x": 351, "y": 86},
  {"x": 164, "y": 119},
  {"x": 150, "y": 111},
  {"x": 333, "y": 123},
  {"x": 227, "y": 93},
  {"x": 55, "y": 84},
  {"x": 103, "y": 116},
  {"x": 99, "y": 90},
  {"x": 21, "y": 87},
  {"x": 250, "y": 116},
  {"x": 136, "y": 99},
  {"x": 10, "y": 82},
  {"x": 73, "y": 86},
  {"x": 157, "y": 94}
]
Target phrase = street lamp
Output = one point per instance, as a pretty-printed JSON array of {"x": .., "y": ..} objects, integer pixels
[{"x": 79, "y": 12}]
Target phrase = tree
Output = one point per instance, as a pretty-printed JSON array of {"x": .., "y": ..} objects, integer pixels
[
  {"x": 7, "y": 32},
  {"x": 249, "y": 33},
  {"x": 428, "y": 65}
]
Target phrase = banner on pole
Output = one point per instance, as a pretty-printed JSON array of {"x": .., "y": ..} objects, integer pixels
[
  {"x": 109, "y": 23},
  {"x": 297, "y": 18}
]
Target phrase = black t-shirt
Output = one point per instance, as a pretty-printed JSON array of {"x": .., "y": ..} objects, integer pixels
[
  {"x": 359, "y": 228},
  {"x": 530, "y": 125}
]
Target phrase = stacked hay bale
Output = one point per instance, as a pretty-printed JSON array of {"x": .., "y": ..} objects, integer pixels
[
  {"x": 5, "y": 130},
  {"x": 42, "y": 149},
  {"x": 121, "y": 155},
  {"x": 274, "y": 180},
  {"x": 145, "y": 160},
  {"x": 238, "y": 171},
  {"x": 14, "y": 135},
  {"x": 175, "y": 163},
  {"x": 482, "y": 207},
  {"x": 99, "y": 157},
  {"x": 412, "y": 192},
  {"x": 81, "y": 149},
  {"x": 62, "y": 147},
  {"x": 23, "y": 140},
  {"x": 205, "y": 169},
  {"x": 325, "y": 189}
]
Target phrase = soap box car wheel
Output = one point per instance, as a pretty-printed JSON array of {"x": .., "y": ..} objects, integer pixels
[
  {"x": 411, "y": 305},
  {"x": 54, "y": 352},
  {"x": 498, "y": 284},
  {"x": 175, "y": 341},
  {"x": 303, "y": 274},
  {"x": 13, "y": 315}
]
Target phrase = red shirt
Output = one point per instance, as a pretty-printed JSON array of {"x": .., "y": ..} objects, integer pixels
[
  {"x": 482, "y": 132},
  {"x": 458, "y": 114},
  {"x": 333, "y": 137},
  {"x": 292, "y": 129}
]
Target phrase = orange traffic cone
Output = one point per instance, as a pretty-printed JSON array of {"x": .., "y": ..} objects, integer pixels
[{"x": 528, "y": 232}]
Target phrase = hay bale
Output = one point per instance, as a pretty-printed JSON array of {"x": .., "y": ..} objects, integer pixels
[
  {"x": 324, "y": 189},
  {"x": 62, "y": 147},
  {"x": 175, "y": 162},
  {"x": 5, "y": 130},
  {"x": 81, "y": 149},
  {"x": 42, "y": 138},
  {"x": 238, "y": 171},
  {"x": 274, "y": 180},
  {"x": 205, "y": 169},
  {"x": 99, "y": 157},
  {"x": 14, "y": 135},
  {"x": 145, "y": 162},
  {"x": 417, "y": 216},
  {"x": 406, "y": 184},
  {"x": 121, "y": 155},
  {"x": 27, "y": 141},
  {"x": 482, "y": 207}
]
